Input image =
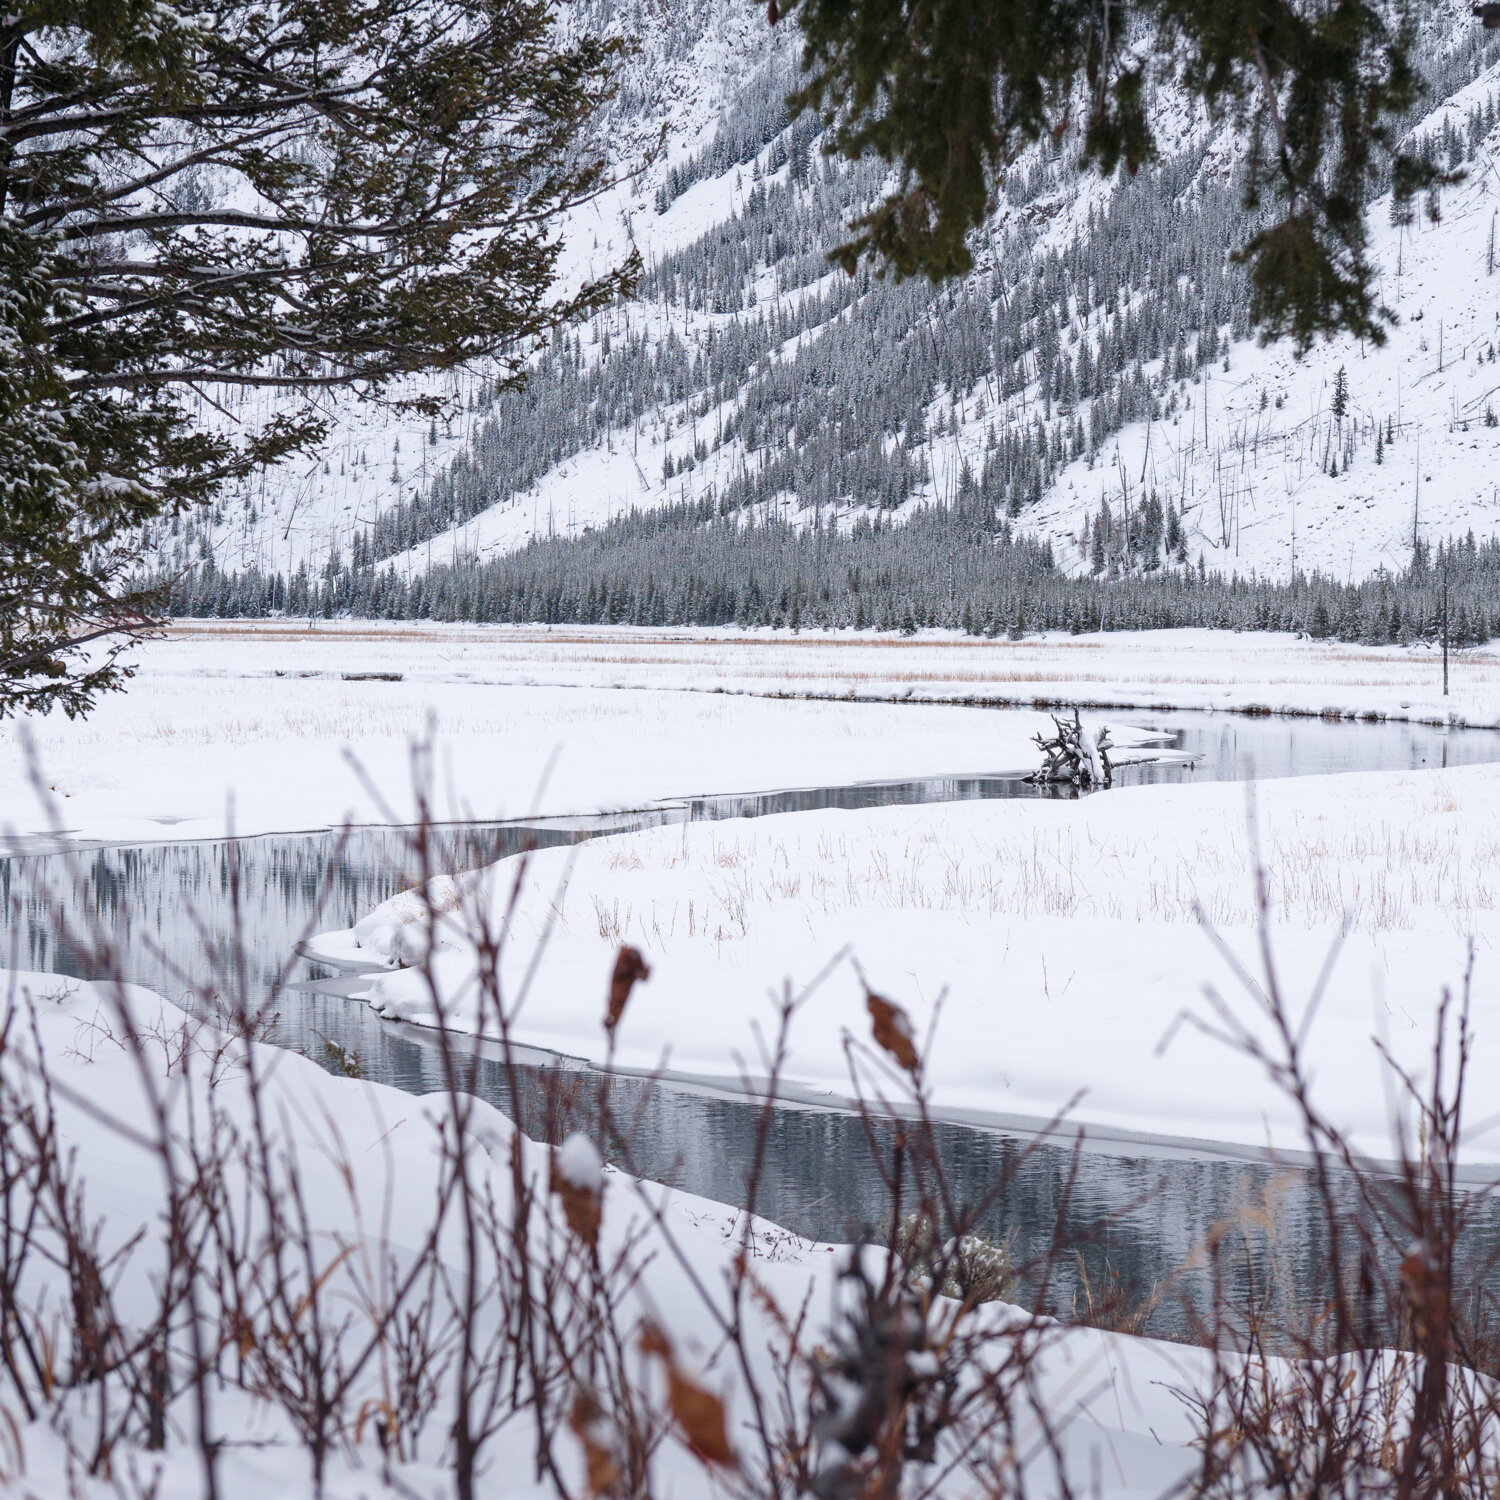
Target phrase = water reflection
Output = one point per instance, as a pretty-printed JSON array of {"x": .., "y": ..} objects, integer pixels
[
  {"x": 172, "y": 908},
  {"x": 1198, "y": 747}
]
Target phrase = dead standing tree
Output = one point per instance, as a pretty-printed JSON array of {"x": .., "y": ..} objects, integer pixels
[{"x": 1073, "y": 758}]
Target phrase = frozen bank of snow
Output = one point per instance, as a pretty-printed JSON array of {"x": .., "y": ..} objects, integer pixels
[
  {"x": 272, "y": 724},
  {"x": 367, "y": 1156},
  {"x": 1062, "y": 936}
]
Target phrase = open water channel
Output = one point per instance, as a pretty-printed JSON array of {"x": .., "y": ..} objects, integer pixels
[{"x": 1132, "y": 1213}]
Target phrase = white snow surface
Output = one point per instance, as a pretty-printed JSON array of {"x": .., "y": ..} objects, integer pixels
[
  {"x": 257, "y": 730},
  {"x": 1089, "y": 907},
  {"x": 367, "y": 1155},
  {"x": 251, "y": 726},
  {"x": 578, "y": 1161}
]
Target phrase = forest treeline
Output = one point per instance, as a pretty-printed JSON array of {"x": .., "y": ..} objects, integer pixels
[{"x": 948, "y": 567}]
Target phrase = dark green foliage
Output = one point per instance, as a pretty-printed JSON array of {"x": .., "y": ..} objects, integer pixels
[
  {"x": 200, "y": 200},
  {"x": 62, "y": 514},
  {"x": 952, "y": 90}
]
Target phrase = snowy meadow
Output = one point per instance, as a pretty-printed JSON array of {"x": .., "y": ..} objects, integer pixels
[{"x": 263, "y": 712}]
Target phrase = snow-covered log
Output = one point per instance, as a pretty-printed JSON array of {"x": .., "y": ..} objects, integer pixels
[{"x": 1073, "y": 757}]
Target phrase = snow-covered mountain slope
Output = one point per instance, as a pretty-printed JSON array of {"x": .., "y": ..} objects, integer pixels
[
  {"x": 1099, "y": 353},
  {"x": 683, "y": 88},
  {"x": 1267, "y": 471}
]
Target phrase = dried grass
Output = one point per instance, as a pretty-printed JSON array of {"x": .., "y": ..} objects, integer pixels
[{"x": 1428, "y": 863}]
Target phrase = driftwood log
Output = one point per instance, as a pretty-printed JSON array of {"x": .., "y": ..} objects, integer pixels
[{"x": 1072, "y": 757}]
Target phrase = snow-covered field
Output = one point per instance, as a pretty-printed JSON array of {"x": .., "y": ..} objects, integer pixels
[
  {"x": 271, "y": 720},
  {"x": 571, "y": 721},
  {"x": 1189, "y": 669},
  {"x": 1064, "y": 934},
  {"x": 1049, "y": 947}
]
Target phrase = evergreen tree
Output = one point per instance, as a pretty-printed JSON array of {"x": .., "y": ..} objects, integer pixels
[
  {"x": 200, "y": 200},
  {"x": 953, "y": 91}
]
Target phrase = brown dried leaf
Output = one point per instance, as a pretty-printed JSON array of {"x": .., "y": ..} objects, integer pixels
[
  {"x": 1389, "y": 1457},
  {"x": 630, "y": 968},
  {"x": 244, "y": 1336},
  {"x": 581, "y": 1208},
  {"x": 384, "y": 1421},
  {"x": 697, "y": 1411},
  {"x": 892, "y": 1030},
  {"x": 601, "y": 1466},
  {"x": 307, "y": 1298},
  {"x": 700, "y": 1415},
  {"x": 654, "y": 1341}
]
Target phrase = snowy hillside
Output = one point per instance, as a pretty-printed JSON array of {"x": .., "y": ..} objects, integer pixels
[
  {"x": 691, "y": 67},
  {"x": 1266, "y": 469},
  {"x": 1098, "y": 354}
]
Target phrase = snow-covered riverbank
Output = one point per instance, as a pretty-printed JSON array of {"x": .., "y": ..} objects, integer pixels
[
  {"x": 1063, "y": 937},
  {"x": 367, "y": 1158},
  {"x": 567, "y": 721},
  {"x": 196, "y": 753}
]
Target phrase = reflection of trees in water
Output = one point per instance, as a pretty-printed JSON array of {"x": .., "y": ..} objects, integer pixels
[
  {"x": 162, "y": 904},
  {"x": 1139, "y": 1217},
  {"x": 153, "y": 889}
]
